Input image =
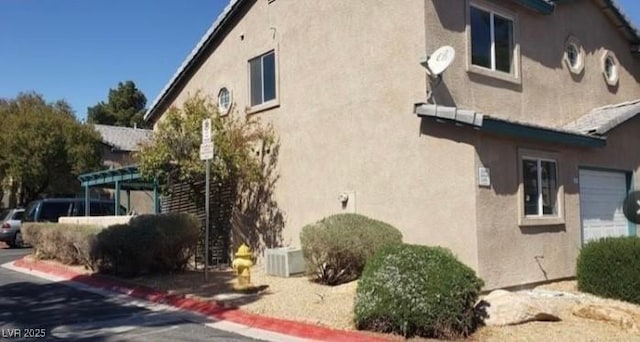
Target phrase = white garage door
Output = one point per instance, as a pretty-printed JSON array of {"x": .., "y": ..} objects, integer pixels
[{"x": 602, "y": 194}]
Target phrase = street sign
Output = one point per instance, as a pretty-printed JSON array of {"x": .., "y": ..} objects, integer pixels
[
  {"x": 206, "y": 151},
  {"x": 206, "y": 131}
]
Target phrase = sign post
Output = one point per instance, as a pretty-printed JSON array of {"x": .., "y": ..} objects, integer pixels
[{"x": 206, "y": 154}]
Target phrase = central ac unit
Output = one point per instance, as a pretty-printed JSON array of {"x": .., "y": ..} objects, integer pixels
[{"x": 283, "y": 262}]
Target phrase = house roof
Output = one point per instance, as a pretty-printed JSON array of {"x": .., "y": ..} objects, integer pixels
[
  {"x": 496, "y": 125},
  {"x": 196, "y": 53},
  {"x": 123, "y": 138},
  {"x": 601, "y": 120},
  {"x": 610, "y": 7}
]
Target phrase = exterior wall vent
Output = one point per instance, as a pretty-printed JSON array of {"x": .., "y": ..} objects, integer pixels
[{"x": 283, "y": 262}]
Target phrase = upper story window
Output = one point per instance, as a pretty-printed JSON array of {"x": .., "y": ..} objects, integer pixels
[
  {"x": 574, "y": 55},
  {"x": 492, "y": 43},
  {"x": 610, "y": 68},
  {"x": 224, "y": 100},
  {"x": 262, "y": 75}
]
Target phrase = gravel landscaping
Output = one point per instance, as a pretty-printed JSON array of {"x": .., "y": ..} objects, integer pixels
[{"x": 298, "y": 299}]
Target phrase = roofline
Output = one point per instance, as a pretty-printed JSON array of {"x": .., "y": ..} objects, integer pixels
[
  {"x": 193, "y": 57},
  {"x": 499, "y": 126},
  {"x": 542, "y": 6},
  {"x": 626, "y": 24}
]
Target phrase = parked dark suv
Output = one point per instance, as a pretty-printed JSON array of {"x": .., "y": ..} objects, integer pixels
[{"x": 51, "y": 209}]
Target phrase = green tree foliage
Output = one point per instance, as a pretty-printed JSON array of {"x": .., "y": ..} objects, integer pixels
[
  {"x": 125, "y": 107},
  {"x": 43, "y": 148},
  {"x": 173, "y": 154}
]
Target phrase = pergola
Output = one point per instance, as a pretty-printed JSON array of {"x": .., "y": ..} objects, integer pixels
[{"x": 125, "y": 178}]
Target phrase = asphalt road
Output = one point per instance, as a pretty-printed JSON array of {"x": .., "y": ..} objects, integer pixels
[{"x": 34, "y": 308}]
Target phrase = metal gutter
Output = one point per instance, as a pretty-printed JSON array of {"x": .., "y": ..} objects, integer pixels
[
  {"x": 499, "y": 126},
  {"x": 541, "y": 6}
]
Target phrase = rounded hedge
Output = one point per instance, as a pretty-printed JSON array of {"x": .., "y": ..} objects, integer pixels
[
  {"x": 147, "y": 244},
  {"x": 417, "y": 290},
  {"x": 337, "y": 247},
  {"x": 610, "y": 268}
]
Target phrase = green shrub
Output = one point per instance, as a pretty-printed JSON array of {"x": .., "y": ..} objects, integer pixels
[
  {"x": 417, "y": 290},
  {"x": 337, "y": 247},
  {"x": 68, "y": 243},
  {"x": 148, "y": 244},
  {"x": 610, "y": 268}
]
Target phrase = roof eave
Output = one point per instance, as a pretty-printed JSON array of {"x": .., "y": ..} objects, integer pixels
[
  {"x": 539, "y": 6},
  {"x": 499, "y": 126},
  {"x": 193, "y": 58}
]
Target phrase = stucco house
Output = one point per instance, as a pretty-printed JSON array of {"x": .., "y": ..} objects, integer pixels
[{"x": 519, "y": 153}]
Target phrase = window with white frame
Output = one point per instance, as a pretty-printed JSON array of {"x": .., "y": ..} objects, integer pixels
[
  {"x": 540, "y": 187},
  {"x": 262, "y": 76},
  {"x": 492, "y": 40}
]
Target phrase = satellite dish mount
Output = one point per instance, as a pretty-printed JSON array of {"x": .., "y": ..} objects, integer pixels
[{"x": 438, "y": 63}]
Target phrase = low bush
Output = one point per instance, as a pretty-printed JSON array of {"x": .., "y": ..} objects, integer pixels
[
  {"x": 337, "y": 247},
  {"x": 68, "y": 243},
  {"x": 148, "y": 244},
  {"x": 417, "y": 290},
  {"x": 609, "y": 268}
]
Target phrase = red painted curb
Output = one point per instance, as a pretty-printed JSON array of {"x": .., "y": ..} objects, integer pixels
[{"x": 209, "y": 308}]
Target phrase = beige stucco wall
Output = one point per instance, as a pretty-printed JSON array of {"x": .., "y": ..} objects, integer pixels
[
  {"x": 511, "y": 255},
  {"x": 348, "y": 78},
  {"x": 547, "y": 93}
]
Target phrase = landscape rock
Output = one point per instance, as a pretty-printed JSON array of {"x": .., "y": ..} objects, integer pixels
[
  {"x": 510, "y": 308},
  {"x": 620, "y": 317}
]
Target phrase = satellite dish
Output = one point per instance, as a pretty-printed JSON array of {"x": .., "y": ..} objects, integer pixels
[{"x": 440, "y": 60}]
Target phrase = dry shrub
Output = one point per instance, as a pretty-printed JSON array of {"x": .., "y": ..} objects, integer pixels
[
  {"x": 148, "y": 244},
  {"x": 337, "y": 247},
  {"x": 68, "y": 243}
]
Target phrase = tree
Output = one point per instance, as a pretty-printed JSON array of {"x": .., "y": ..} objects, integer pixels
[
  {"x": 124, "y": 107},
  {"x": 244, "y": 167},
  {"x": 43, "y": 148},
  {"x": 173, "y": 156}
]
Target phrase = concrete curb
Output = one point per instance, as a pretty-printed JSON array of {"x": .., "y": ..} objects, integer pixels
[{"x": 212, "y": 309}]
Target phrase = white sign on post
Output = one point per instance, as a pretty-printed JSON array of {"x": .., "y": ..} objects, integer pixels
[
  {"x": 206, "y": 131},
  {"x": 206, "y": 151}
]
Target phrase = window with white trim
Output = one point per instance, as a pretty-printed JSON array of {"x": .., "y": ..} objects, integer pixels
[
  {"x": 224, "y": 100},
  {"x": 262, "y": 76},
  {"x": 610, "y": 68},
  {"x": 492, "y": 40},
  {"x": 540, "y": 187}
]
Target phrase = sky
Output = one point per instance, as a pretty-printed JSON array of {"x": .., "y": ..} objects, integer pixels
[{"x": 77, "y": 50}]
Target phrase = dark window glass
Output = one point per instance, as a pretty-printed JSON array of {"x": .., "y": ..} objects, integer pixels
[
  {"x": 18, "y": 215},
  {"x": 255, "y": 66},
  {"x": 51, "y": 211},
  {"x": 4, "y": 214},
  {"x": 549, "y": 188},
  {"x": 480, "y": 37},
  {"x": 503, "y": 30},
  {"x": 31, "y": 211},
  {"x": 269, "y": 76},
  {"x": 530, "y": 183},
  {"x": 96, "y": 209},
  {"x": 263, "y": 78}
]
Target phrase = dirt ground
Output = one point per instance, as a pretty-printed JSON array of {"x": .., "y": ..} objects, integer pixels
[{"x": 296, "y": 298}]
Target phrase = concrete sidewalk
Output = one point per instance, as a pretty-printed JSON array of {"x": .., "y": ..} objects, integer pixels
[{"x": 233, "y": 319}]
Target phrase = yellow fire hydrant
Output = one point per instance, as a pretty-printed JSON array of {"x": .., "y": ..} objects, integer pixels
[{"x": 242, "y": 265}]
